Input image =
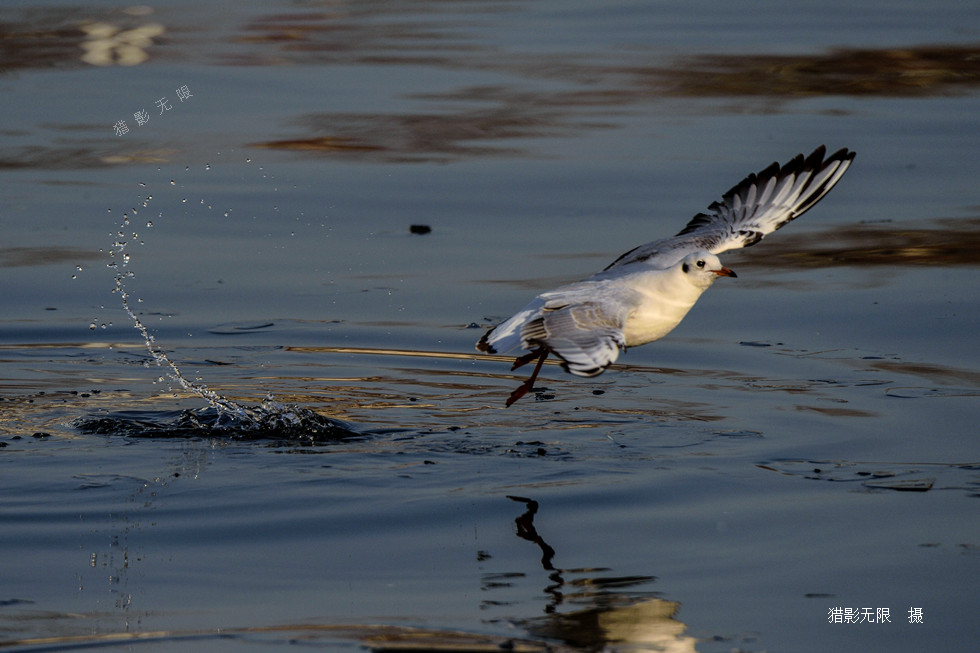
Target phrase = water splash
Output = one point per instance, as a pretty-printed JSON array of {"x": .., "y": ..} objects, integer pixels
[
  {"x": 270, "y": 421},
  {"x": 120, "y": 274},
  {"x": 222, "y": 417}
]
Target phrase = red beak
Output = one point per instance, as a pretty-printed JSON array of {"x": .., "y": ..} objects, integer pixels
[{"x": 725, "y": 272}]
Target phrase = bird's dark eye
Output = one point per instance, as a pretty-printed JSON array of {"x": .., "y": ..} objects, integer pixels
[{"x": 700, "y": 264}]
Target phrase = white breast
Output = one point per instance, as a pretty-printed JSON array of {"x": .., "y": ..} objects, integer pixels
[{"x": 665, "y": 298}]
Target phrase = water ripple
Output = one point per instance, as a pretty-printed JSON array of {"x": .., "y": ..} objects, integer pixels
[{"x": 271, "y": 421}]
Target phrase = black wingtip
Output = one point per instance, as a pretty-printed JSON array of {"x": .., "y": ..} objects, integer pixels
[
  {"x": 843, "y": 154},
  {"x": 818, "y": 158},
  {"x": 484, "y": 343}
]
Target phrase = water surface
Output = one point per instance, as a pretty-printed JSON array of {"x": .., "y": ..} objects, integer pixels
[{"x": 804, "y": 441}]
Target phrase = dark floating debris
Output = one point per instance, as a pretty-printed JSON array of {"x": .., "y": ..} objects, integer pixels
[
  {"x": 746, "y": 433},
  {"x": 921, "y": 393},
  {"x": 235, "y": 328},
  {"x": 905, "y": 477},
  {"x": 420, "y": 229},
  {"x": 902, "y": 485},
  {"x": 283, "y": 424}
]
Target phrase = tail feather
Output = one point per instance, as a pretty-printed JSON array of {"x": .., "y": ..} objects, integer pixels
[{"x": 506, "y": 336}]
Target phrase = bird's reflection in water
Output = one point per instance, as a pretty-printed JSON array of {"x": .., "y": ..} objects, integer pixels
[
  {"x": 526, "y": 530},
  {"x": 610, "y": 612}
]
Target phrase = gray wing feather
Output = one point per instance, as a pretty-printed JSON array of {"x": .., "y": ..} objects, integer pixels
[
  {"x": 759, "y": 205},
  {"x": 586, "y": 336}
]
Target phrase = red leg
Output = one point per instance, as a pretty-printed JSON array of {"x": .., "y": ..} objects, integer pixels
[
  {"x": 541, "y": 353},
  {"x": 521, "y": 361}
]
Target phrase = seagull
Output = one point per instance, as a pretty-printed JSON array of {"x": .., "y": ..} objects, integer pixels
[{"x": 642, "y": 295}]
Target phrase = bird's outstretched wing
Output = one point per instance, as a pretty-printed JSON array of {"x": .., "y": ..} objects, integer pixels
[
  {"x": 759, "y": 205},
  {"x": 587, "y": 336}
]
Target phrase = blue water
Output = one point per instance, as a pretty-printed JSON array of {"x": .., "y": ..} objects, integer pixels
[{"x": 805, "y": 440}]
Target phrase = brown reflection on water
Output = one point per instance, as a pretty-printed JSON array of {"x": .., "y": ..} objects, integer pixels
[
  {"x": 477, "y": 120},
  {"x": 942, "y": 375},
  {"x": 430, "y": 33},
  {"x": 374, "y": 637},
  {"x": 912, "y": 71},
  {"x": 582, "y": 92},
  {"x": 942, "y": 242},
  {"x": 364, "y": 32},
  {"x": 464, "y": 132},
  {"x": 80, "y": 155},
  {"x": 11, "y": 257},
  {"x": 76, "y": 38},
  {"x": 41, "y": 39}
]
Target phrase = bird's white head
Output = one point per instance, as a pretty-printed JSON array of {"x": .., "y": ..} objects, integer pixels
[{"x": 702, "y": 268}]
